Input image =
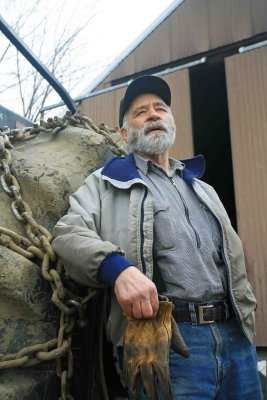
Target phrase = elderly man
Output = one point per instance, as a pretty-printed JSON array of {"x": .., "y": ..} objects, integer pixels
[{"x": 146, "y": 224}]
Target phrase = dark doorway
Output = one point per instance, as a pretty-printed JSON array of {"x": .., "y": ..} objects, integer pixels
[{"x": 211, "y": 132}]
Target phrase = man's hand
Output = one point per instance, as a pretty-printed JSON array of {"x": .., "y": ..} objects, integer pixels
[{"x": 136, "y": 294}]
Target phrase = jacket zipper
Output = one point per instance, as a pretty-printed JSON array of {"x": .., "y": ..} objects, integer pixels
[
  {"x": 226, "y": 264},
  {"x": 142, "y": 233},
  {"x": 187, "y": 214}
]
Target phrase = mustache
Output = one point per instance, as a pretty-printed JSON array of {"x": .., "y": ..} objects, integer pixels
[{"x": 153, "y": 125}]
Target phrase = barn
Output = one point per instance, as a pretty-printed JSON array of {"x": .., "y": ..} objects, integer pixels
[{"x": 213, "y": 54}]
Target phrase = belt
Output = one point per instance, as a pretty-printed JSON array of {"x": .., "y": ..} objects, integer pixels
[{"x": 202, "y": 313}]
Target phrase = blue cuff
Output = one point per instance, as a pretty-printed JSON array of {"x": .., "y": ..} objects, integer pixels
[{"x": 111, "y": 267}]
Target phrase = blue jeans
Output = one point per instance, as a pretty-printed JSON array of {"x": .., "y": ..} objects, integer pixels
[{"x": 222, "y": 364}]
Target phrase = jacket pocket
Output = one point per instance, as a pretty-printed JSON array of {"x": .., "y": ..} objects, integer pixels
[{"x": 164, "y": 232}]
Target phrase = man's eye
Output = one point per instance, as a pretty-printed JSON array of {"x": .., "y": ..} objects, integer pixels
[
  {"x": 161, "y": 109},
  {"x": 140, "y": 112}
]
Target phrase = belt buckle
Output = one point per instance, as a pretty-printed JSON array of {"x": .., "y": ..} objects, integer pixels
[{"x": 201, "y": 309}]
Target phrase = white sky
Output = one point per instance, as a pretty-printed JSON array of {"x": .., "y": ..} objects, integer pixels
[{"x": 113, "y": 26}]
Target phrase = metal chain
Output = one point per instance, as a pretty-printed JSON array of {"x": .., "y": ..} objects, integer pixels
[
  {"x": 38, "y": 244},
  {"x": 56, "y": 124}
]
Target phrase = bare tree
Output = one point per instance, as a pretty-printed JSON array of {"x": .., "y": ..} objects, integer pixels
[{"x": 53, "y": 34}]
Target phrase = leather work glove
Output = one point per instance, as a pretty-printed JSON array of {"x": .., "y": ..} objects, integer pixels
[{"x": 146, "y": 352}]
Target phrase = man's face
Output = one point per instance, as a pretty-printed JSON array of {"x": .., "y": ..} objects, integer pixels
[{"x": 150, "y": 127}]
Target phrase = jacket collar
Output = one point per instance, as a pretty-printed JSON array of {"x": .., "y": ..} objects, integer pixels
[
  {"x": 194, "y": 168},
  {"x": 123, "y": 169}
]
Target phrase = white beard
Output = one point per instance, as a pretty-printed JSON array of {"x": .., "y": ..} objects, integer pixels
[{"x": 155, "y": 142}]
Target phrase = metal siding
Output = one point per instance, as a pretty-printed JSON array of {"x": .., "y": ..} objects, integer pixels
[
  {"x": 145, "y": 54},
  {"x": 103, "y": 108},
  {"x": 196, "y": 26},
  {"x": 259, "y": 16},
  {"x": 189, "y": 29},
  {"x": 247, "y": 94},
  {"x": 126, "y": 67},
  {"x": 230, "y": 21},
  {"x": 181, "y": 109}
]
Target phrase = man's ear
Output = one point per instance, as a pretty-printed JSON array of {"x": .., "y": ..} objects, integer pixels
[{"x": 124, "y": 134}]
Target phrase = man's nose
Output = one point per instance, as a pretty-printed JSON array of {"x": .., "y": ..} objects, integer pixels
[{"x": 153, "y": 115}]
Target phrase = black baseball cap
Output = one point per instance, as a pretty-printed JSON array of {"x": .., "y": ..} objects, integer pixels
[{"x": 144, "y": 84}]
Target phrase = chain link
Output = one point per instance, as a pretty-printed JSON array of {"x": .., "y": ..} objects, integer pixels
[
  {"x": 35, "y": 354},
  {"x": 53, "y": 125},
  {"x": 38, "y": 244}
]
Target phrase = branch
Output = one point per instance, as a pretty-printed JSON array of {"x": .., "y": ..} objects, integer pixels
[{"x": 33, "y": 90}]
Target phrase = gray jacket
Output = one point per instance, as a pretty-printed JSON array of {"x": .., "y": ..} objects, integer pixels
[{"x": 109, "y": 226}]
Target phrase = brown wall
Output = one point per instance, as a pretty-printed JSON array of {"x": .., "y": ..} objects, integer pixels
[
  {"x": 103, "y": 107},
  {"x": 181, "y": 108},
  {"x": 247, "y": 94}
]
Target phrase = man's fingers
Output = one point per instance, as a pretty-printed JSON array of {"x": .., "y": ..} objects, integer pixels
[
  {"x": 137, "y": 310},
  {"x": 127, "y": 310},
  {"x": 154, "y": 300},
  {"x": 142, "y": 309},
  {"x": 136, "y": 294}
]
